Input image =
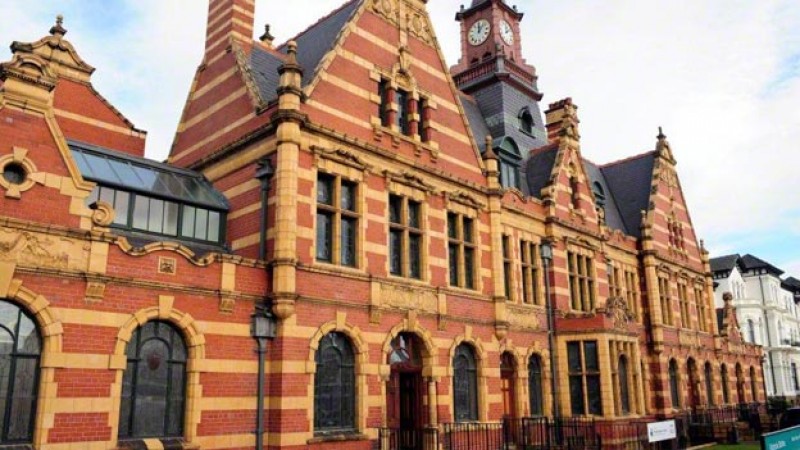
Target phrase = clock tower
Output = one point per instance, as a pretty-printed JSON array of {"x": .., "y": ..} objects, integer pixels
[{"x": 503, "y": 86}]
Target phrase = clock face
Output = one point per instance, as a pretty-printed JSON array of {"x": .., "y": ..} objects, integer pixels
[
  {"x": 479, "y": 32},
  {"x": 506, "y": 32}
]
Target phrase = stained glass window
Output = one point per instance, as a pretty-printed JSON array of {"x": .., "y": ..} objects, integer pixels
[
  {"x": 535, "y": 385},
  {"x": 334, "y": 385},
  {"x": 465, "y": 384},
  {"x": 20, "y": 350},
  {"x": 154, "y": 383}
]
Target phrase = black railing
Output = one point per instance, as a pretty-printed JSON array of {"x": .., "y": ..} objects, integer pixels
[
  {"x": 473, "y": 435},
  {"x": 700, "y": 426},
  {"x": 407, "y": 439}
]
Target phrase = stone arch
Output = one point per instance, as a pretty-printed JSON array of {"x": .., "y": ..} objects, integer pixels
[
  {"x": 543, "y": 354},
  {"x": 430, "y": 352},
  {"x": 361, "y": 351},
  {"x": 196, "y": 348},
  {"x": 51, "y": 331},
  {"x": 352, "y": 332},
  {"x": 481, "y": 362}
]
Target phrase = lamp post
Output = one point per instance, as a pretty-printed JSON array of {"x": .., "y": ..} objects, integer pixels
[
  {"x": 547, "y": 258},
  {"x": 263, "y": 328}
]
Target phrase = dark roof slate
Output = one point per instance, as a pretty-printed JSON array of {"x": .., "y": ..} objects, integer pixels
[
  {"x": 540, "y": 167},
  {"x": 476, "y": 121},
  {"x": 629, "y": 182},
  {"x": 613, "y": 216},
  {"x": 312, "y": 45},
  {"x": 724, "y": 263},
  {"x": 792, "y": 284},
  {"x": 750, "y": 262}
]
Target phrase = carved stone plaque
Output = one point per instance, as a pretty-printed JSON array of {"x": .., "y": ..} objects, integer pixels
[
  {"x": 28, "y": 248},
  {"x": 406, "y": 297},
  {"x": 522, "y": 317}
]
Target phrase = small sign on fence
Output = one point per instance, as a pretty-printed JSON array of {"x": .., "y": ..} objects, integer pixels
[{"x": 661, "y": 431}]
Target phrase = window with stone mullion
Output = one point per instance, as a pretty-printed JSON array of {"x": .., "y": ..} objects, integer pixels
[
  {"x": 632, "y": 292},
  {"x": 337, "y": 220},
  {"x": 683, "y": 301},
  {"x": 581, "y": 278},
  {"x": 702, "y": 312},
  {"x": 584, "y": 378},
  {"x": 405, "y": 237},
  {"x": 663, "y": 295},
  {"x": 461, "y": 250},
  {"x": 507, "y": 262},
  {"x": 529, "y": 256}
]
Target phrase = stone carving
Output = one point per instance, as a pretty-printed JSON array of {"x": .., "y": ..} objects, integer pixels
[
  {"x": 386, "y": 9},
  {"x": 226, "y": 304},
  {"x": 617, "y": 309},
  {"x": 522, "y": 317},
  {"x": 33, "y": 249},
  {"x": 418, "y": 26},
  {"x": 103, "y": 213},
  {"x": 95, "y": 291},
  {"x": 167, "y": 266},
  {"x": 406, "y": 297}
]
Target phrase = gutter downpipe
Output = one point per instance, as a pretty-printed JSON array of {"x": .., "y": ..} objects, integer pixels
[{"x": 264, "y": 175}]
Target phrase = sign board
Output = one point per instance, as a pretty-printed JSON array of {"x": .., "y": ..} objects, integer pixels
[
  {"x": 661, "y": 431},
  {"x": 786, "y": 439}
]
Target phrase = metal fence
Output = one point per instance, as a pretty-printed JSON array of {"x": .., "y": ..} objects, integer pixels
[{"x": 696, "y": 427}]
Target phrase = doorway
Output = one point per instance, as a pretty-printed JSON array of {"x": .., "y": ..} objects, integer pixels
[{"x": 405, "y": 413}]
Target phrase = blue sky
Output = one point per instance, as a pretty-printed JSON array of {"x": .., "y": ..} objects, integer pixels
[{"x": 721, "y": 76}]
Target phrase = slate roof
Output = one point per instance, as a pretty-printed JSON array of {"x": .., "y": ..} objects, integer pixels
[
  {"x": 792, "y": 284},
  {"x": 312, "y": 45},
  {"x": 750, "y": 262},
  {"x": 613, "y": 216},
  {"x": 475, "y": 119},
  {"x": 540, "y": 167},
  {"x": 629, "y": 183},
  {"x": 724, "y": 263}
]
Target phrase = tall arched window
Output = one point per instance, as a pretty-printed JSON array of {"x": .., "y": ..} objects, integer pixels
[
  {"x": 153, "y": 387},
  {"x": 709, "y": 384},
  {"x": 624, "y": 389},
  {"x": 724, "y": 376},
  {"x": 673, "y": 384},
  {"x": 535, "y": 385},
  {"x": 526, "y": 121},
  {"x": 751, "y": 331},
  {"x": 334, "y": 385},
  {"x": 510, "y": 160},
  {"x": 20, "y": 348},
  {"x": 465, "y": 384}
]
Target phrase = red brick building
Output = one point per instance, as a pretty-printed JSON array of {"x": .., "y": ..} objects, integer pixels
[{"x": 398, "y": 218}]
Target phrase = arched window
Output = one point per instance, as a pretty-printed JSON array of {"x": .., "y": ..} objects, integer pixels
[
  {"x": 153, "y": 386},
  {"x": 753, "y": 388},
  {"x": 535, "y": 385},
  {"x": 465, "y": 384},
  {"x": 709, "y": 384},
  {"x": 751, "y": 331},
  {"x": 526, "y": 121},
  {"x": 624, "y": 389},
  {"x": 334, "y": 385},
  {"x": 510, "y": 160},
  {"x": 673, "y": 384},
  {"x": 20, "y": 347},
  {"x": 724, "y": 376}
]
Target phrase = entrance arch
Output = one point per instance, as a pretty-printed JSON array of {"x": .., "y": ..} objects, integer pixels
[
  {"x": 508, "y": 384},
  {"x": 694, "y": 383},
  {"x": 405, "y": 391}
]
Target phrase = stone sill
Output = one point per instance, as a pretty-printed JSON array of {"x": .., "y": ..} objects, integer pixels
[{"x": 338, "y": 437}]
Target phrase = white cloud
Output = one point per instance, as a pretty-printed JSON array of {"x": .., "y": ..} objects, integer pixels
[{"x": 721, "y": 76}]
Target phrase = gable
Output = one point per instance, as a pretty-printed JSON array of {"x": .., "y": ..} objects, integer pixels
[{"x": 373, "y": 46}]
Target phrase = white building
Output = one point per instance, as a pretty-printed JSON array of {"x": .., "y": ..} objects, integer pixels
[{"x": 768, "y": 315}]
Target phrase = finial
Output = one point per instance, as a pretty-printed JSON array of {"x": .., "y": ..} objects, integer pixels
[
  {"x": 267, "y": 37},
  {"x": 661, "y": 136},
  {"x": 58, "y": 29},
  {"x": 291, "y": 50},
  {"x": 489, "y": 152}
]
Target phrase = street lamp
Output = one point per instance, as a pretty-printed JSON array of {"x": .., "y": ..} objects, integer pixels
[
  {"x": 263, "y": 327},
  {"x": 547, "y": 257}
]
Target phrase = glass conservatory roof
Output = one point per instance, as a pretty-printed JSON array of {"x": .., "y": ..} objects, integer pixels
[{"x": 130, "y": 173}]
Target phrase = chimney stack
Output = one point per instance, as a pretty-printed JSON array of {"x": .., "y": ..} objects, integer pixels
[
  {"x": 562, "y": 121},
  {"x": 228, "y": 19}
]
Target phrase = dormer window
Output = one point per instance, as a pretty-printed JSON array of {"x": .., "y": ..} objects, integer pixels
[
  {"x": 526, "y": 121},
  {"x": 510, "y": 160},
  {"x": 599, "y": 198}
]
